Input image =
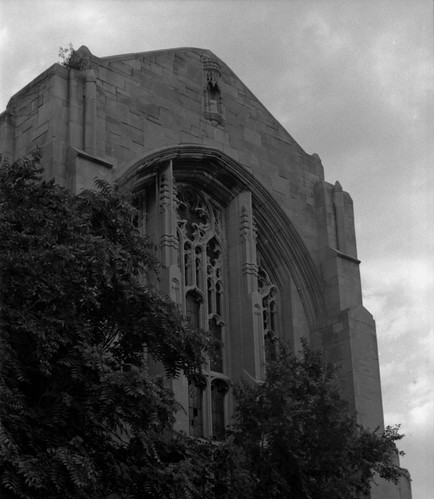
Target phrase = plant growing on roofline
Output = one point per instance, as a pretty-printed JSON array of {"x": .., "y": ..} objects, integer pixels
[
  {"x": 65, "y": 54},
  {"x": 73, "y": 59}
]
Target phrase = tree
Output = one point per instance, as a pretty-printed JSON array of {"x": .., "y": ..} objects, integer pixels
[
  {"x": 80, "y": 414},
  {"x": 299, "y": 439}
]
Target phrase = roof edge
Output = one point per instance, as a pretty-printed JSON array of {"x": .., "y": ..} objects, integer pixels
[{"x": 130, "y": 55}]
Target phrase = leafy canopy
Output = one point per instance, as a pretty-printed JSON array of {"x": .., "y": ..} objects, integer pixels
[
  {"x": 299, "y": 439},
  {"x": 80, "y": 415}
]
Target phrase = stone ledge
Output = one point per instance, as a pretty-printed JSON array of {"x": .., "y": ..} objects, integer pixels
[
  {"x": 82, "y": 154},
  {"x": 346, "y": 257}
]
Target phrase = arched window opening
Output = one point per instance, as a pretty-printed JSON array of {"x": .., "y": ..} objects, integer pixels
[
  {"x": 187, "y": 264},
  {"x": 210, "y": 295},
  {"x": 198, "y": 265},
  {"x": 218, "y": 298},
  {"x": 270, "y": 309},
  {"x": 216, "y": 357},
  {"x": 202, "y": 206},
  {"x": 195, "y": 405},
  {"x": 219, "y": 389},
  {"x": 193, "y": 303}
]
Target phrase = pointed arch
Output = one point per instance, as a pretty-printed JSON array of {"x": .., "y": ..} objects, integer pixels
[{"x": 215, "y": 172}]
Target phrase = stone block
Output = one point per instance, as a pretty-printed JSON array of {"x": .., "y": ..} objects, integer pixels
[
  {"x": 189, "y": 138},
  {"x": 114, "y": 78},
  {"x": 132, "y": 85},
  {"x": 237, "y": 140},
  {"x": 253, "y": 137},
  {"x": 136, "y": 120},
  {"x": 121, "y": 68},
  {"x": 132, "y": 134},
  {"x": 117, "y": 111},
  {"x": 147, "y": 108},
  {"x": 232, "y": 152},
  {"x": 133, "y": 63},
  {"x": 279, "y": 184},
  {"x": 171, "y": 136}
]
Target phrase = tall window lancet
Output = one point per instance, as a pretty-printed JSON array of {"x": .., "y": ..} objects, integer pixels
[
  {"x": 218, "y": 392},
  {"x": 216, "y": 356},
  {"x": 270, "y": 310},
  {"x": 196, "y": 388},
  {"x": 201, "y": 249},
  {"x": 214, "y": 255},
  {"x": 192, "y": 305}
]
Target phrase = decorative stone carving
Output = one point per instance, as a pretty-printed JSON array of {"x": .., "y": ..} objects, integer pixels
[
  {"x": 201, "y": 248},
  {"x": 245, "y": 228},
  {"x": 212, "y": 93},
  {"x": 165, "y": 187},
  {"x": 212, "y": 72},
  {"x": 168, "y": 239},
  {"x": 248, "y": 237}
]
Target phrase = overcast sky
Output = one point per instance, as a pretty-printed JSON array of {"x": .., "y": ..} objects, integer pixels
[{"x": 349, "y": 80}]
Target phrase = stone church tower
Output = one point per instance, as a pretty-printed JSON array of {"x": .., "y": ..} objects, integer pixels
[{"x": 254, "y": 243}]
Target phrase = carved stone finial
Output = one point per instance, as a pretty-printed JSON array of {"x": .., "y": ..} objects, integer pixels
[
  {"x": 213, "y": 102},
  {"x": 212, "y": 72},
  {"x": 337, "y": 187},
  {"x": 80, "y": 59}
]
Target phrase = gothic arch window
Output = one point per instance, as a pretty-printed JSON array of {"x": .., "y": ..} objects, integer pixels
[
  {"x": 216, "y": 356},
  {"x": 213, "y": 221},
  {"x": 201, "y": 252},
  {"x": 196, "y": 388}
]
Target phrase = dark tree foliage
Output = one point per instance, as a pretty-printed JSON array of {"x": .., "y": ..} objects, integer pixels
[
  {"x": 80, "y": 416},
  {"x": 299, "y": 439}
]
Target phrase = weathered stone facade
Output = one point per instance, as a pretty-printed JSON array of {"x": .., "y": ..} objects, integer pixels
[{"x": 254, "y": 243}]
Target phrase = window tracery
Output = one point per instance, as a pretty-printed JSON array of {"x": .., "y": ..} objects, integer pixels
[
  {"x": 202, "y": 255},
  {"x": 196, "y": 387},
  {"x": 270, "y": 301}
]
